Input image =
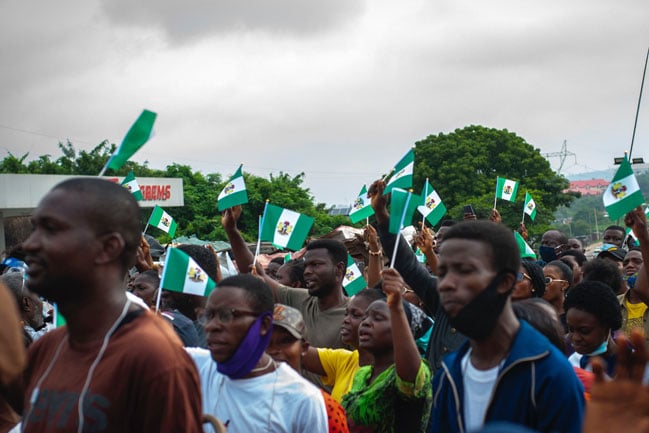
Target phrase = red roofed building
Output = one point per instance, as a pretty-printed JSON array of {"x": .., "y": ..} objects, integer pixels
[{"x": 589, "y": 187}]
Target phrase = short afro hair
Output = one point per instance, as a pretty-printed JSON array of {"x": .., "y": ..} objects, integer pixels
[
  {"x": 596, "y": 298},
  {"x": 565, "y": 270},
  {"x": 578, "y": 255},
  {"x": 505, "y": 255},
  {"x": 336, "y": 249},
  {"x": 258, "y": 292},
  {"x": 604, "y": 271},
  {"x": 203, "y": 256},
  {"x": 109, "y": 207}
]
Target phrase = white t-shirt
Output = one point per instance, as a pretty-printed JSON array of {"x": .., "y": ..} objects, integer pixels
[
  {"x": 478, "y": 386},
  {"x": 281, "y": 401}
]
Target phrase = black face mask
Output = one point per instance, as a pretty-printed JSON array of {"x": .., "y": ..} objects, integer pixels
[
  {"x": 479, "y": 317},
  {"x": 547, "y": 253}
]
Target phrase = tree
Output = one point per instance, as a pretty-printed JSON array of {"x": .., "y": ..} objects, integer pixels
[
  {"x": 463, "y": 166},
  {"x": 199, "y": 215}
]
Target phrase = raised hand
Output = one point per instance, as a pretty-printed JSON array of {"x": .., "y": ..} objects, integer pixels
[{"x": 621, "y": 404}]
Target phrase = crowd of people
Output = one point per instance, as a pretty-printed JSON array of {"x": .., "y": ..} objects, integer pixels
[{"x": 471, "y": 338}]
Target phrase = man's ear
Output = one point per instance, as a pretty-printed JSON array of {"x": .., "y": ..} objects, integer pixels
[
  {"x": 340, "y": 269},
  {"x": 304, "y": 347},
  {"x": 507, "y": 282},
  {"x": 112, "y": 246},
  {"x": 266, "y": 325},
  {"x": 26, "y": 304}
]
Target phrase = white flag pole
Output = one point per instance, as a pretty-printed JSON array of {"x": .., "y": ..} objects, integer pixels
[
  {"x": 162, "y": 278},
  {"x": 423, "y": 217},
  {"x": 261, "y": 225},
  {"x": 396, "y": 244}
]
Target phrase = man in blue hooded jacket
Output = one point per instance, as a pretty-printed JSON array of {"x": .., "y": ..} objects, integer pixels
[{"x": 507, "y": 371}]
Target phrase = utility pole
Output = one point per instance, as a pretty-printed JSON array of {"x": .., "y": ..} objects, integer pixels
[{"x": 562, "y": 155}]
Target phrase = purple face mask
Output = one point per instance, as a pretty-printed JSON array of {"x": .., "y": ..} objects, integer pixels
[{"x": 248, "y": 353}]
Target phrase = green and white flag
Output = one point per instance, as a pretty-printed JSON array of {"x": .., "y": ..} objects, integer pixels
[
  {"x": 182, "y": 274},
  {"x": 402, "y": 173},
  {"x": 130, "y": 183},
  {"x": 353, "y": 281},
  {"x": 530, "y": 206},
  {"x": 526, "y": 251},
  {"x": 234, "y": 193},
  {"x": 431, "y": 206},
  {"x": 506, "y": 189},
  {"x": 137, "y": 135},
  {"x": 623, "y": 193},
  {"x": 362, "y": 207},
  {"x": 162, "y": 220},
  {"x": 403, "y": 207},
  {"x": 284, "y": 228},
  {"x": 57, "y": 320}
]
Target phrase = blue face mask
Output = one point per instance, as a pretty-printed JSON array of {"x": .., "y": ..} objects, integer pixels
[
  {"x": 630, "y": 280},
  {"x": 547, "y": 253},
  {"x": 601, "y": 349}
]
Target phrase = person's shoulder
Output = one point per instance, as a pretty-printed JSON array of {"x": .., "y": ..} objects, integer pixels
[
  {"x": 293, "y": 382},
  {"x": 151, "y": 338}
]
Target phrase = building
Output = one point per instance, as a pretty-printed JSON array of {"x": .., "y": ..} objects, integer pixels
[{"x": 589, "y": 187}]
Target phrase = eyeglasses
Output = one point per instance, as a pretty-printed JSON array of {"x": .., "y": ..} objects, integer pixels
[
  {"x": 224, "y": 315},
  {"x": 522, "y": 275},
  {"x": 549, "y": 280}
]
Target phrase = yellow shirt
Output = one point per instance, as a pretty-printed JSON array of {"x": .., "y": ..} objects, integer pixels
[
  {"x": 635, "y": 314},
  {"x": 340, "y": 365}
]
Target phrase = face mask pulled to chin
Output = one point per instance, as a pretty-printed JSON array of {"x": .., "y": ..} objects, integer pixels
[{"x": 478, "y": 318}]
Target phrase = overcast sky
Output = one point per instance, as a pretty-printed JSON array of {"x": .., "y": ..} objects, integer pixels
[{"x": 338, "y": 89}]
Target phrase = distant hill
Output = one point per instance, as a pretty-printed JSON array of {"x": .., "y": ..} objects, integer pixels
[{"x": 601, "y": 174}]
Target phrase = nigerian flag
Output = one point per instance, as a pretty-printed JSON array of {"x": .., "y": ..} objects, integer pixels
[
  {"x": 137, "y": 135},
  {"x": 162, "y": 220},
  {"x": 506, "y": 189},
  {"x": 353, "y": 281},
  {"x": 130, "y": 183},
  {"x": 403, "y": 170},
  {"x": 57, "y": 320},
  {"x": 182, "y": 274},
  {"x": 404, "y": 205},
  {"x": 284, "y": 228},
  {"x": 234, "y": 193},
  {"x": 623, "y": 193},
  {"x": 362, "y": 207},
  {"x": 525, "y": 250},
  {"x": 530, "y": 206},
  {"x": 431, "y": 206}
]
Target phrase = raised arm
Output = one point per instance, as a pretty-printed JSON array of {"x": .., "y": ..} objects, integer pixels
[
  {"x": 375, "y": 265},
  {"x": 424, "y": 240},
  {"x": 240, "y": 251},
  {"x": 416, "y": 275},
  {"x": 406, "y": 355},
  {"x": 637, "y": 220}
]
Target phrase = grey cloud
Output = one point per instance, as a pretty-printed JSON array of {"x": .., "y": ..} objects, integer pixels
[{"x": 183, "y": 21}]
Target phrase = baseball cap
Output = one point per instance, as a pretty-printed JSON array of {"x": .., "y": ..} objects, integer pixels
[
  {"x": 290, "y": 319},
  {"x": 614, "y": 252}
]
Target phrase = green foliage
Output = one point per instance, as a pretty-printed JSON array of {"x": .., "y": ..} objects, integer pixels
[
  {"x": 199, "y": 215},
  {"x": 463, "y": 166}
]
